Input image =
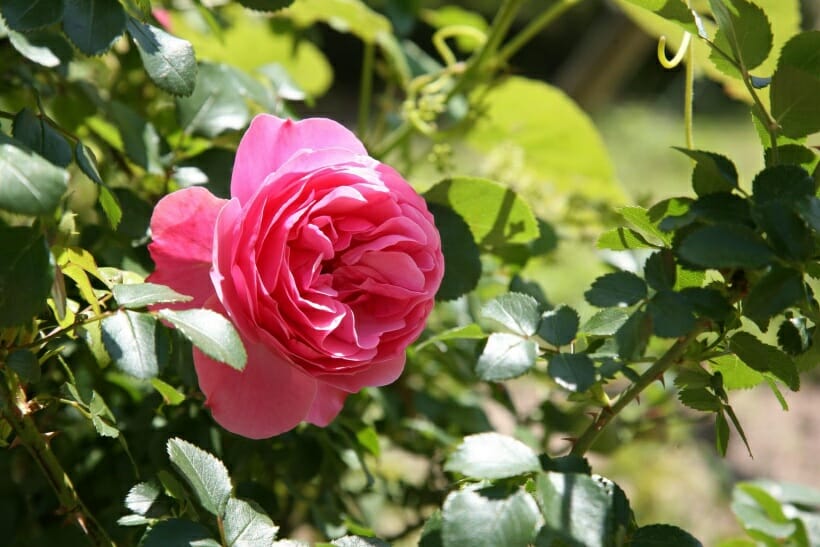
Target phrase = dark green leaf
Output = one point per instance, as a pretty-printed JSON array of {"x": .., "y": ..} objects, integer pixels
[
  {"x": 25, "y": 364},
  {"x": 779, "y": 289},
  {"x": 616, "y": 289},
  {"x": 505, "y": 356},
  {"x": 26, "y": 274},
  {"x": 27, "y": 15},
  {"x": 143, "y": 497},
  {"x": 87, "y": 162},
  {"x": 606, "y": 322},
  {"x": 168, "y": 60},
  {"x": 204, "y": 473},
  {"x": 700, "y": 399},
  {"x": 796, "y": 86},
  {"x": 721, "y": 434},
  {"x": 247, "y": 525},
  {"x": 216, "y": 105},
  {"x": 139, "y": 137},
  {"x": 739, "y": 428},
  {"x": 266, "y": 5},
  {"x": 140, "y": 295},
  {"x": 496, "y": 215},
  {"x": 660, "y": 270},
  {"x": 492, "y": 456},
  {"x": 489, "y": 518},
  {"x": 789, "y": 183},
  {"x": 565, "y": 464},
  {"x": 620, "y": 239},
  {"x": 177, "y": 533},
  {"x": 559, "y": 326},
  {"x": 708, "y": 302},
  {"x": 358, "y": 541},
  {"x": 211, "y": 332},
  {"x": 744, "y": 34},
  {"x": 712, "y": 173},
  {"x": 765, "y": 358},
  {"x": 518, "y": 312},
  {"x": 675, "y": 11},
  {"x": 41, "y": 138},
  {"x": 589, "y": 510},
  {"x": 462, "y": 260},
  {"x": 572, "y": 371},
  {"x": 793, "y": 335},
  {"x": 93, "y": 25},
  {"x": 129, "y": 339},
  {"x": 431, "y": 535},
  {"x": 793, "y": 154},
  {"x": 633, "y": 336},
  {"x": 672, "y": 314},
  {"x": 725, "y": 246},
  {"x": 43, "y": 47},
  {"x": 31, "y": 184},
  {"x": 663, "y": 535}
]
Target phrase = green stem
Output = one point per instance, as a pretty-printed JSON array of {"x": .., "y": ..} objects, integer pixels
[
  {"x": 672, "y": 356},
  {"x": 533, "y": 28},
  {"x": 366, "y": 87},
  {"x": 18, "y": 414},
  {"x": 689, "y": 97}
]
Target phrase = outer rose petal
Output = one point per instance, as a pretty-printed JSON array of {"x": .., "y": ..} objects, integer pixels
[
  {"x": 270, "y": 396},
  {"x": 182, "y": 228},
  {"x": 373, "y": 374},
  {"x": 269, "y": 142},
  {"x": 327, "y": 405}
]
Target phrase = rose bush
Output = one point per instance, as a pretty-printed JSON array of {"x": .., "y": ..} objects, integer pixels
[{"x": 324, "y": 259}]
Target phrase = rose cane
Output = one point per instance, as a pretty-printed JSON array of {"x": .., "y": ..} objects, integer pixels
[{"x": 324, "y": 259}]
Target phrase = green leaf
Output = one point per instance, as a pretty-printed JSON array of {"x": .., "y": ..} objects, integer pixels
[
  {"x": 26, "y": 274},
  {"x": 93, "y": 25},
  {"x": 572, "y": 371},
  {"x": 712, "y": 173},
  {"x": 672, "y": 314},
  {"x": 721, "y": 434},
  {"x": 518, "y": 312},
  {"x": 559, "y": 326},
  {"x": 211, "y": 332},
  {"x": 467, "y": 332},
  {"x": 43, "y": 47},
  {"x": 177, "y": 533},
  {"x": 27, "y": 15},
  {"x": 496, "y": 215},
  {"x": 736, "y": 374},
  {"x": 779, "y": 289},
  {"x": 129, "y": 339},
  {"x": 793, "y": 335},
  {"x": 266, "y": 5},
  {"x": 140, "y": 295},
  {"x": 588, "y": 510},
  {"x": 349, "y": 16},
  {"x": 41, "y": 138},
  {"x": 621, "y": 239},
  {"x": 505, "y": 356},
  {"x": 759, "y": 511},
  {"x": 216, "y": 105},
  {"x": 87, "y": 162},
  {"x": 700, "y": 399},
  {"x": 725, "y": 246},
  {"x": 786, "y": 231},
  {"x": 168, "y": 60},
  {"x": 606, "y": 322},
  {"x": 204, "y": 473},
  {"x": 744, "y": 33},
  {"x": 247, "y": 525},
  {"x": 492, "y": 456},
  {"x": 101, "y": 417},
  {"x": 31, "y": 184},
  {"x": 660, "y": 270},
  {"x": 763, "y": 357},
  {"x": 616, "y": 289},
  {"x": 358, "y": 541},
  {"x": 708, "y": 302},
  {"x": 462, "y": 260},
  {"x": 633, "y": 336},
  {"x": 641, "y": 219},
  {"x": 25, "y": 364},
  {"x": 110, "y": 206},
  {"x": 675, "y": 11},
  {"x": 488, "y": 517},
  {"x": 142, "y": 498},
  {"x": 169, "y": 395},
  {"x": 663, "y": 535},
  {"x": 139, "y": 137},
  {"x": 561, "y": 149},
  {"x": 796, "y": 86},
  {"x": 790, "y": 183}
]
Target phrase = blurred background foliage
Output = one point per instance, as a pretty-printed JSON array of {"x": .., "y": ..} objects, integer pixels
[{"x": 599, "y": 139}]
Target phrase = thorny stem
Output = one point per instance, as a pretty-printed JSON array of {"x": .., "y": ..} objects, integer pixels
[
  {"x": 17, "y": 412},
  {"x": 672, "y": 356}
]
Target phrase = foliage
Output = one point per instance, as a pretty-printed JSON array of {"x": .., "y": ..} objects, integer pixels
[{"x": 110, "y": 105}]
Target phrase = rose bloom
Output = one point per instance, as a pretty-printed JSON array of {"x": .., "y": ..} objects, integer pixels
[{"x": 325, "y": 260}]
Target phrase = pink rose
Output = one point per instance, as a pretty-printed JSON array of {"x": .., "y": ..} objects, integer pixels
[{"x": 325, "y": 260}]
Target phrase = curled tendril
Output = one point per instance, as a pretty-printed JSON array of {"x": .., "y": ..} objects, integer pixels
[
  {"x": 454, "y": 31},
  {"x": 679, "y": 55}
]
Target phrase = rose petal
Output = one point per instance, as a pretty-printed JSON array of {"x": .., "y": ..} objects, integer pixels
[
  {"x": 182, "y": 228},
  {"x": 269, "y": 142},
  {"x": 327, "y": 404},
  {"x": 270, "y": 396},
  {"x": 372, "y": 374}
]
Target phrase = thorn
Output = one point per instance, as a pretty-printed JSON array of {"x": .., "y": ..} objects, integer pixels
[
  {"x": 570, "y": 440},
  {"x": 80, "y": 519},
  {"x": 15, "y": 443},
  {"x": 48, "y": 435},
  {"x": 662, "y": 381}
]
